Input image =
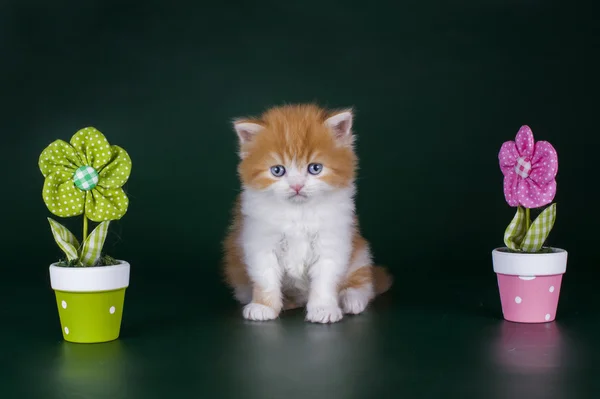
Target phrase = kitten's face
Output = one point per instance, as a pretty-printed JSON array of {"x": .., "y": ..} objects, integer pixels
[{"x": 296, "y": 153}]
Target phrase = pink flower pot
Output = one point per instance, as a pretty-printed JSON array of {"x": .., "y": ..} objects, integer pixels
[{"x": 529, "y": 283}]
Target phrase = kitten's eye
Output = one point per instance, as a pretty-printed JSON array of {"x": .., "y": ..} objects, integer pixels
[
  {"x": 278, "y": 170},
  {"x": 315, "y": 168}
]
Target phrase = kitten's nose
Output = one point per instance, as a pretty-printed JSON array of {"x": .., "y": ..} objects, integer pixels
[{"x": 296, "y": 187}]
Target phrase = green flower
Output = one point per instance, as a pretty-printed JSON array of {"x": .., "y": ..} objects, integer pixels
[{"x": 86, "y": 175}]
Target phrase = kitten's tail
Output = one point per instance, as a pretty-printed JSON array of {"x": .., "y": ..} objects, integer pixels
[{"x": 382, "y": 280}]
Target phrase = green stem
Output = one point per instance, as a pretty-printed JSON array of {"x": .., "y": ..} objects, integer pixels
[
  {"x": 85, "y": 227},
  {"x": 527, "y": 219}
]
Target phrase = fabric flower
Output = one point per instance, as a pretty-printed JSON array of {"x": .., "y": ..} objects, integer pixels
[
  {"x": 529, "y": 170},
  {"x": 85, "y": 175}
]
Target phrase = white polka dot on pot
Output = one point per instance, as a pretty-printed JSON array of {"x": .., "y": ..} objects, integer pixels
[
  {"x": 67, "y": 330},
  {"x": 518, "y": 299},
  {"x": 547, "y": 316},
  {"x": 64, "y": 304},
  {"x": 112, "y": 310},
  {"x": 551, "y": 289}
]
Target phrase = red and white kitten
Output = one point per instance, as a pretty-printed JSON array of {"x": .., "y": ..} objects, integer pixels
[{"x": 295, "y": 239}]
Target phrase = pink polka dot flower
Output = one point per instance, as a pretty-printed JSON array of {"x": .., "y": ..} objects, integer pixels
[
  {"x": 529, "y": 273},
  {"x": 529, "y": 170}
]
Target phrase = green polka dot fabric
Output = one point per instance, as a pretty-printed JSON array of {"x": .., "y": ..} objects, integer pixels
[{"x": 85, "y": 175}]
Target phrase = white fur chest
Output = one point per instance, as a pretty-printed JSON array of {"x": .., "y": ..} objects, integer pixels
[
  {"x": 299, "y": 245},
  {"x": 294, "y": 232}
]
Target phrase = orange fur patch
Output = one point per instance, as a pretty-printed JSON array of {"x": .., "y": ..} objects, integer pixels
[
  {"x": 382, "y": 280},
  {"x": 234, "y": 268},
  {"x": 376, "y": 275},
  {"x": 359, "y": 278},
  {"x": 362, "y": 276},
  {"x": 295, "y": 133},
  {"x": 359, "y": 244}
]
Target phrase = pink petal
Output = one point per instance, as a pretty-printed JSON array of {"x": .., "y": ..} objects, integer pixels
[
  {"x": 525, "y": 142},
  {"x": 511, "y": 181},
  {"x": 508, "y": 156},
  {"x": 544, "y": 164},
  {"x": 533, "y": 195}
]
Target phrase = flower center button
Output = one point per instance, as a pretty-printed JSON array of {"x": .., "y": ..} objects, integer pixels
[
  {"x": 86, "y": 178},
  {"x": 523, "y": 167}
]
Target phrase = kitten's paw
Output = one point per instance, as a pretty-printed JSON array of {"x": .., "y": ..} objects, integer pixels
[
  {"x": 258, "y": 312},
  {"x": 354, "y": 301},
  {"x": 324, "y": 314}
]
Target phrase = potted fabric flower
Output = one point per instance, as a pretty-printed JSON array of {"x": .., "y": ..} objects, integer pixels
[
  {"x": 529, "y": 274},
  {"x": 85, "y": 178}
]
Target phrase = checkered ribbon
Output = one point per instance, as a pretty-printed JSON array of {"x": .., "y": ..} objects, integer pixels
[
  {"x": 92, "y": 247},
  {"x": 518, "y": 238},
  {"x": 65, "y": 239},
  {"x": 89, "y": 253},
  {"x": 539, "y": 230},
  {"x": 514, "y": 233}
]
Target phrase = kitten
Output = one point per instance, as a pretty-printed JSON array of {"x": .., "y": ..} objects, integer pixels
[{"x": 295, "y": 239}]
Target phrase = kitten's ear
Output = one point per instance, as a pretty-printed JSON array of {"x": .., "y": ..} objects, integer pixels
[
  {"x": 340, "y": 124},
  {"x": 246, "y": 130}
]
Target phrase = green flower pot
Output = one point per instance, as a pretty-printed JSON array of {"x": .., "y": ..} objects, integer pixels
[{"x": 90, "y": 301}]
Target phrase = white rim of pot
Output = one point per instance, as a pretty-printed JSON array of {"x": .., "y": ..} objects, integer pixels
[
  {"x": 530, "y": 264},
  {"x": 89, "y": 279}
]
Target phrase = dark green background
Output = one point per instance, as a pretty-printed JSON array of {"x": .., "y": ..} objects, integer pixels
[{"x": 437, "y": 87}]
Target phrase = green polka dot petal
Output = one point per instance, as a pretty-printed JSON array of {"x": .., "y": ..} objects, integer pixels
[
  {"x": 59, "y": 155},
  {"x": 93, "y": 147},
  {"x": 61, "y": 196},
  {"x": 106, "y": 204},
  {"x": 117, "y": 172},
  {"x": 85, "y": 175}
]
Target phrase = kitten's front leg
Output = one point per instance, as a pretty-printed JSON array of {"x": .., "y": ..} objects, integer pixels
[
  {"x": 326, "y": 274},
  {"x": 265, "y": 273}
]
